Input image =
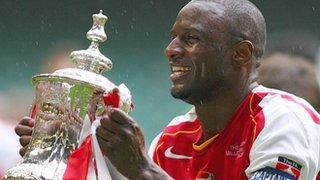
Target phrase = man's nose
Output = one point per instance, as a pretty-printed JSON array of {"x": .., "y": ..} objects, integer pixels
[{"x": 174, "y": 49}]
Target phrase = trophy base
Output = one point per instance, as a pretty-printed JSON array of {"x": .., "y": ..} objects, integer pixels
[{"x": 30, "y": 171}]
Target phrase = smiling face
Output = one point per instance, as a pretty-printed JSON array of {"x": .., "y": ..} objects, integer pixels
[{"x": 198, "y": 51}]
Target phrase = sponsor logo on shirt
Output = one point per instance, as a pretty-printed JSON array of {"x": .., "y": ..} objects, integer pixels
[
  {"x": 288, "y": 166},
  {"x": 169, "y": 154},
  {"x": 236, "y": 150}
]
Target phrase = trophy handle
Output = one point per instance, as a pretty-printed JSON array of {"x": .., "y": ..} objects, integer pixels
[{"x": 33, "y": 110}]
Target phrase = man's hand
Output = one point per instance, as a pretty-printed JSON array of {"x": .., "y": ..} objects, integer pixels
[
  {"x": 122, "y": 140},
  {"x": 24, "y": 130}
]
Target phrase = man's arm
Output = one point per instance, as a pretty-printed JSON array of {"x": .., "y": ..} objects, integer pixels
[
  {"x": 288, "y": 145},
  {"x": 122, "y": 140}
]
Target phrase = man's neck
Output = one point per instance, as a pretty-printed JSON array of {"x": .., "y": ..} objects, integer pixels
[{"x": 215, "y": 114}]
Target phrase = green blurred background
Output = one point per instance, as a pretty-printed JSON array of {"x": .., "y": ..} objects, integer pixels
[{"x": 138, "y": 32}]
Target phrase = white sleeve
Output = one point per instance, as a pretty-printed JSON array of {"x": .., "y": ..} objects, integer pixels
[
  {"x": 289, "y": 134},
  {"x": 188, "y": 117},
  {"x": 153, "y": 145}
]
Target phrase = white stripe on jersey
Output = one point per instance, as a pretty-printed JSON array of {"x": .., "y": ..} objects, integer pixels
[
  {"x": 188, "y": 117},
  {"x": 262, "y": 89}
]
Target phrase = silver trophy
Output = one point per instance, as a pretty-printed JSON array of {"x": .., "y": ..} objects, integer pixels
[{"x": 63, "y": 100}]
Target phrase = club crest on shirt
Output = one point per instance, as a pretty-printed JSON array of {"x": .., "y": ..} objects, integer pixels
[
  {"x": 289, "y": 166},
  {"x": 203, "y": 175}
]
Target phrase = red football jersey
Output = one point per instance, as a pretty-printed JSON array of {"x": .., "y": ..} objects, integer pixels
[{"x": 228, "y": 154}]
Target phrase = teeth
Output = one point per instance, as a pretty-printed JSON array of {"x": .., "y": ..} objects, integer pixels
[
  {"x": 177, "y": 73},
  {"x": 180, "y": 68}
]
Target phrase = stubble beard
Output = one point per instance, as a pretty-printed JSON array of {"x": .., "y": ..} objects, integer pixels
[{"x": 180, "y": 93}]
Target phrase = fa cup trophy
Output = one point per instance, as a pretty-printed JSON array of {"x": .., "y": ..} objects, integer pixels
[{"x": 64, "y": 100}]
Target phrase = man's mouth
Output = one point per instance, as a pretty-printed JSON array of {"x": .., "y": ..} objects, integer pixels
[{"x": 178, "y": 72}]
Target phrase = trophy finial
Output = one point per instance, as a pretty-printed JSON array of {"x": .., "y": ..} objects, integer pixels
[
  {"x": 91, "y": 59},
  {"x": 97, "y": 33}
]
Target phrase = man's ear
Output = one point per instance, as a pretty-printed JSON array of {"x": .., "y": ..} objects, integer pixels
[{"x": 242, "y": 53}]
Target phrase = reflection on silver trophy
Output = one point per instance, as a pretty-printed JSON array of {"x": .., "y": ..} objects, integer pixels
[{"x": 62, "y": 102}]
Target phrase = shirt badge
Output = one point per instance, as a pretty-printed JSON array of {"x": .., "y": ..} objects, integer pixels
[{"x": 289, "y": 166}]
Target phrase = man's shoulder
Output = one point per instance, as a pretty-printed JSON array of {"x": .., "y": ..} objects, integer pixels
[
  {"x": 291, "y": 126},
  {"x": 275, "y": 103},
  {"x": 186, "y": 122},
  {"x": 184, "y": 128},
  {"x": 274, "y": 95},
  {"x": 190, "y": 116}
]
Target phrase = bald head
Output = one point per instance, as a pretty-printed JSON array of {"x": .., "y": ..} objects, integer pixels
[
  {"x": 244, "y": 21},
  {"x": 214, "y": 48}
]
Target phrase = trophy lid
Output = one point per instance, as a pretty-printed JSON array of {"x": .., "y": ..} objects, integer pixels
[
  {"x": 90, "y": 63},
  {"x": 91, "y": 59}
]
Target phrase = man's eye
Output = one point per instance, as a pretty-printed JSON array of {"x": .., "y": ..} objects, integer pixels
[
  {"x": 190, "y": 39},
  {"x": 173, "y": 37}
]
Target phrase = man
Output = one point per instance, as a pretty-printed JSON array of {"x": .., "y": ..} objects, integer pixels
[{"x": 238, "y": 130}]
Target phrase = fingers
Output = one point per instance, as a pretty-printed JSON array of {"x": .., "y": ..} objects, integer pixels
[
  {"x": 119, "y": 116},
  {"x": 106, "y": 135},
  {"x": 120, "y": 139},
  {"x": 22, "y": 151},
  {"x": 104, "y": 145},
  {"x": 28, "y": 121},
  {"x": 25, "y": 127},
  {"x": 24, "y": 130},
  {"x": 119, "y": 123},
  {"x": 109, "y": 125},
  {"x": 24, "y": 140},
  {"x": 111, "y": 133}
]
